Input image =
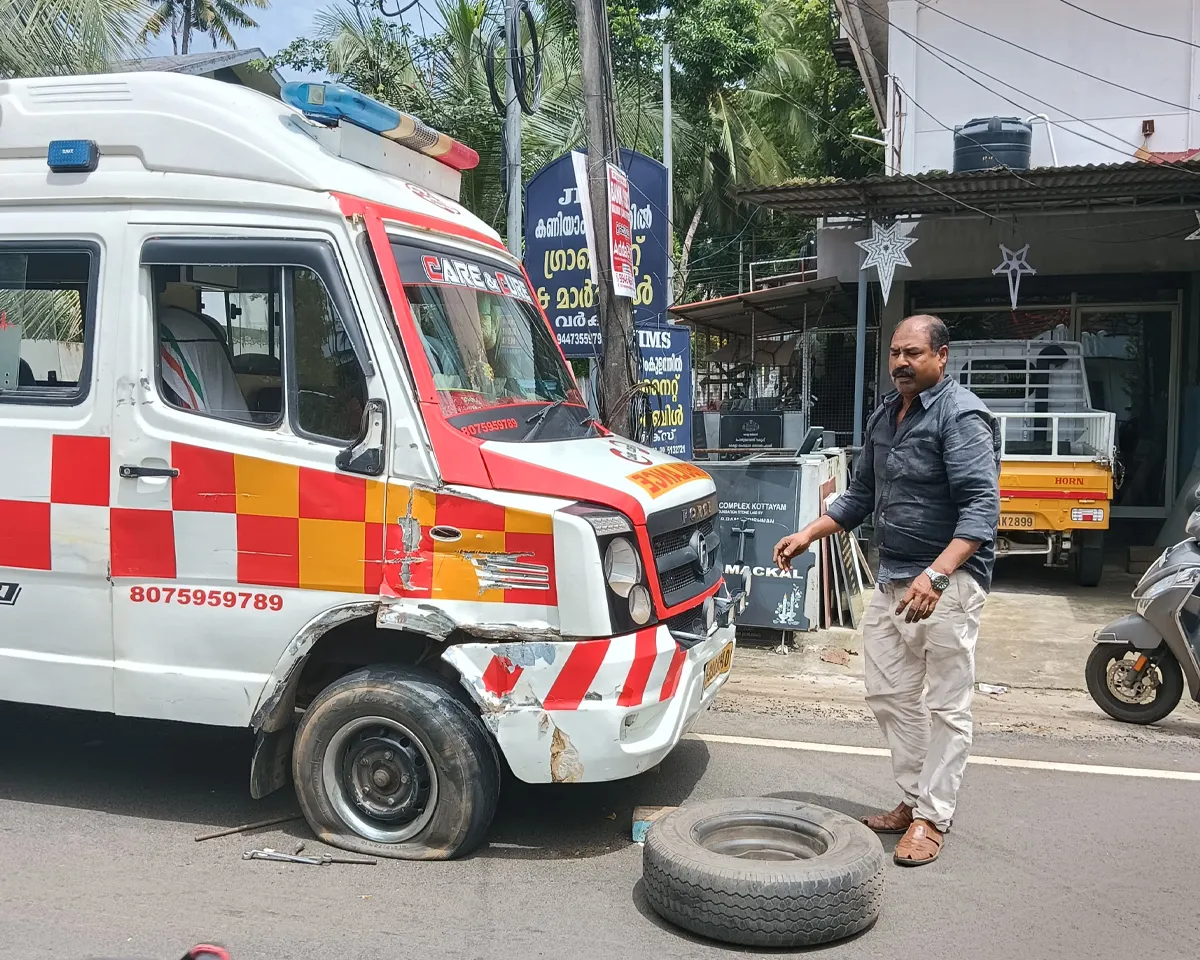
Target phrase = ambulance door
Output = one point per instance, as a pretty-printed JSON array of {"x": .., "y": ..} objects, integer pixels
[
  {"x": 247, "y": 507},
  {"x": 59, "y": 309}
]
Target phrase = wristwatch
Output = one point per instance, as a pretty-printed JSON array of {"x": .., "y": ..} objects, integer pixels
[{"x": 939, "y": 580}]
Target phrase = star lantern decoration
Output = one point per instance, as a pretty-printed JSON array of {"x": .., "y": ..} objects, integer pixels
[
  {"x": 1016, "y": 265},
  {"x": 1195, "y": 234},
  {"x": 885, "y": 251}
]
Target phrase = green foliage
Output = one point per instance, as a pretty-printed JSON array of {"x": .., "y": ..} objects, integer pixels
[
  {"x": 216, "y": 19},
  {"x": 40, "y": 38},
  {"x": 716, "y": 44}
]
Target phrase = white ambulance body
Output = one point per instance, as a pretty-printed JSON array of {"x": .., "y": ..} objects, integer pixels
[{"x": 287, "y": 444}]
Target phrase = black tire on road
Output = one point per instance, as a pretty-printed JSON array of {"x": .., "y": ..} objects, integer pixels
[
  {"x": 764, "y": 872},
  {"x": 1088, "y": 557},
  {"x": 416, "y": 721},
  {"x": 1166, "y": 697}
]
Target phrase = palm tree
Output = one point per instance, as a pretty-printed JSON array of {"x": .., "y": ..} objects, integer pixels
[
  {"x": 755, "y": 127},
  {"x": 216, "y": 19},
  {"x": 41, "y": 38}
]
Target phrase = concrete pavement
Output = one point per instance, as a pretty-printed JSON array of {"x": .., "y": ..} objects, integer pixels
[{"x": 97, "y": 817}]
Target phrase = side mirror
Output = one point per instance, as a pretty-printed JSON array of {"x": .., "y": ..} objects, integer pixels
[{"x": 365, "y": 455}]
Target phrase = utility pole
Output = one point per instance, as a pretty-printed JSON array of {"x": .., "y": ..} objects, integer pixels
[
  {"x": 615, "y": 313},
  {"x": 512, "y": 128},
  {"x": 669, "y": 163}
]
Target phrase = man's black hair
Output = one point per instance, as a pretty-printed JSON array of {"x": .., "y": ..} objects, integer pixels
[{"x": 939, "y": 335}]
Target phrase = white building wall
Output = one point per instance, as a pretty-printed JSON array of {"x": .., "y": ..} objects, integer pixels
[{"x": 947, "y": 73}]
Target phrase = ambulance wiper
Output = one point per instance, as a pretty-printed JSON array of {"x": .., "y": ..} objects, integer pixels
[{"x": 540, "y": 417}]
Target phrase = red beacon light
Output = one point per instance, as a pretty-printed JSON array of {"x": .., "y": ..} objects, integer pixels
[{"x": 330, "y": 103}]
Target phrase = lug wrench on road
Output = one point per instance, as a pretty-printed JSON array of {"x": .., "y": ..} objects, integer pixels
[{"x": 275, "y": 855}]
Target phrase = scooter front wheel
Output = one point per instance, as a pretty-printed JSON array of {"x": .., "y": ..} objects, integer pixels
[{"x": 1145, "y": 700}]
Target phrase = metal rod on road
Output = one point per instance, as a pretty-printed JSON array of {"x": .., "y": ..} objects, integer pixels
[{"x": 248, "y": 826}]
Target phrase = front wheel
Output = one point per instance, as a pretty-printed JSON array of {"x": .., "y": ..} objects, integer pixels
[
  {"x": 1113, "y": 685},
  {"x": 390, "y": 762}
]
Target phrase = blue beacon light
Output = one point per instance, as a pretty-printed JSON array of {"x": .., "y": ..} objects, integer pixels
[{"x": 330, "y": 103}]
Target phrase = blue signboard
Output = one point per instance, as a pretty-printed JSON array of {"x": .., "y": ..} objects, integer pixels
[
  {"x": 665, "y": 367},
  {"x": 556, "y": 254}
]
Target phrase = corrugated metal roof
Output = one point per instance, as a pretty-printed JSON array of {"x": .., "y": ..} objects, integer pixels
[
  {"x": 993, "y": 191},
  {"x": 194, "y": 64},
  {"x": 773, "y": 311}
]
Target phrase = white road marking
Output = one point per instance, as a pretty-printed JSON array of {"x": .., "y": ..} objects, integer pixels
[{"x": 1093, "y": 768}]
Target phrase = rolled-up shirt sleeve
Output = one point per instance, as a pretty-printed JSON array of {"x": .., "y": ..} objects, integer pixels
[
  {"x": 969, "y": 455},
  {"x": 854, "y": 506}
]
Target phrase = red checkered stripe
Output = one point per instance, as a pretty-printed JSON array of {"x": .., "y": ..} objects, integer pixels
[
  {"x": 235, "y": 518},
  {"x": 628, "y": 671}
]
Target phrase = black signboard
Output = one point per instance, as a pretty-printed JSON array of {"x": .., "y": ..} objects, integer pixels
[
  {"x": 758, "y": 504},
  {"x": 750, "y": 431}
]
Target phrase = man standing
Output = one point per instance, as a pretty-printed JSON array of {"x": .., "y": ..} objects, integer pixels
[{"x": 929, "y": 470}]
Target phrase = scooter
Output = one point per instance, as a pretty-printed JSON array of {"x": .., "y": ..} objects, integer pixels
[{"x": 1135, "y": 672}]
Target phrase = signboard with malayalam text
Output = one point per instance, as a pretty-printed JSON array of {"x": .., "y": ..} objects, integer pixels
[
  {"x": 665, "y": 368},
  {"x": 556, "y": 250}
]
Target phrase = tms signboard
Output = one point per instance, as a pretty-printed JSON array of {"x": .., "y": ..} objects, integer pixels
[{"x": 665, "y": 370}]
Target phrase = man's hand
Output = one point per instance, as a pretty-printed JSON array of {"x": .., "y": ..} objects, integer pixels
[
  {"x": 921, "y": 600},
  {"x": 791, "y": 546}
]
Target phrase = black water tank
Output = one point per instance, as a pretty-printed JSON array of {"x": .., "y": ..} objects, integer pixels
[{"x": 991, "y": 143}]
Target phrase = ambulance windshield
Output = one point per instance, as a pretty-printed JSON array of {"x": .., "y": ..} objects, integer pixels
[{"x": 497, "y": 367}]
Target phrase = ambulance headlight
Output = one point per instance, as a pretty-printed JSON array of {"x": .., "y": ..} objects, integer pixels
[{"x": 623, "y": 568}]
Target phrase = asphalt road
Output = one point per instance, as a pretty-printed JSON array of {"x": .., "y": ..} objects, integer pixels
[{"x": 97, "y": 858}]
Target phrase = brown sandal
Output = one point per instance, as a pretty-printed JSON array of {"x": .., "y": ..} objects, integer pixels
[
  {"x": 898, "y": 821},
  {"x": 922, "y": 844}
]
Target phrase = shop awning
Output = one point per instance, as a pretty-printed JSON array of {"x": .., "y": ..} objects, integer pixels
[
  {"x": 773, "y": 312},
  {"x": 992, "y": 191}
]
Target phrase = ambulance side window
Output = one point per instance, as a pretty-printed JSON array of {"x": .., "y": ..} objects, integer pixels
[
  {"x": 47, "y": 315},
  {"x": 253, "y": 331},
  {"x": 218, "y": 339},
  {"x": 330, "y": 390}
]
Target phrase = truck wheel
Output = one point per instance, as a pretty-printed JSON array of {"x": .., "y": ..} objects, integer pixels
[
  {"x": 1158, "y": 693},
  {"x": 1089, "y": 557},
  {"x": 389, "y": 762},
  {"x": 764, "y": 872}
]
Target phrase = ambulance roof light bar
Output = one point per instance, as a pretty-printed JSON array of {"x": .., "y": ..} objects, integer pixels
[{"x": 330, "y": 103}]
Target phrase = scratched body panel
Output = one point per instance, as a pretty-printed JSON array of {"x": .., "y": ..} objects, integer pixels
[{"x": 591, "y": 710}]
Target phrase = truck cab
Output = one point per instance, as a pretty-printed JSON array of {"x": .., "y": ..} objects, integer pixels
[{"x": 291, "y": 446}]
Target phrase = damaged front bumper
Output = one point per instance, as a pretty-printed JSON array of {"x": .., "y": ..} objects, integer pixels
[{"x": 596, "y": 710}]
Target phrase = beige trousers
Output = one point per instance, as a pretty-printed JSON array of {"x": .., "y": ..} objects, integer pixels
[{"x": 920, "y": 682}]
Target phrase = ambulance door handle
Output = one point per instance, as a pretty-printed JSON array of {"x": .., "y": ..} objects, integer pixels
[{"x": 130, "y": 472}]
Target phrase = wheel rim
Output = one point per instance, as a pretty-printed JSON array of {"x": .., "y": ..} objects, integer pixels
[
  {"x": 1142, "y": 694},
  {"x": 763, "y": 836},
  {"x": 380, "y": 779}
]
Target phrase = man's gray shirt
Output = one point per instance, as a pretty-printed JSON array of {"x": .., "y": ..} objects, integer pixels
[{"x": 934, "y": 478}]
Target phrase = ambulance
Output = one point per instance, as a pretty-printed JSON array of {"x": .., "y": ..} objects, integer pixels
[{"x": 289, "y": 445}]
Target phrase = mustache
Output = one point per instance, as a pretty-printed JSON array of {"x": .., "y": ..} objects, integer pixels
[{"x": 904, "y": 371}]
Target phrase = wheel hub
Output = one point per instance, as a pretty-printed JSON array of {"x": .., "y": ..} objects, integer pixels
[
  {"x": 1129, "y": 688},
  {"x": 386, "y": 776}
]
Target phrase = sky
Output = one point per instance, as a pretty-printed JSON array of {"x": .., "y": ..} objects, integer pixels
[{"x": 278, "y": 26}]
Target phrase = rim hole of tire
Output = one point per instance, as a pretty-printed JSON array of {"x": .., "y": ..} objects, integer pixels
[{"x": 763, "y": 837}]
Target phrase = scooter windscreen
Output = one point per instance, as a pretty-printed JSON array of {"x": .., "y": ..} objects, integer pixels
[{"x": 1181, "y": 556}]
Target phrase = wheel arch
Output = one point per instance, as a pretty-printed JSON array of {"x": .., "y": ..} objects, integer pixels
[{"x": 331, "y": 645}]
